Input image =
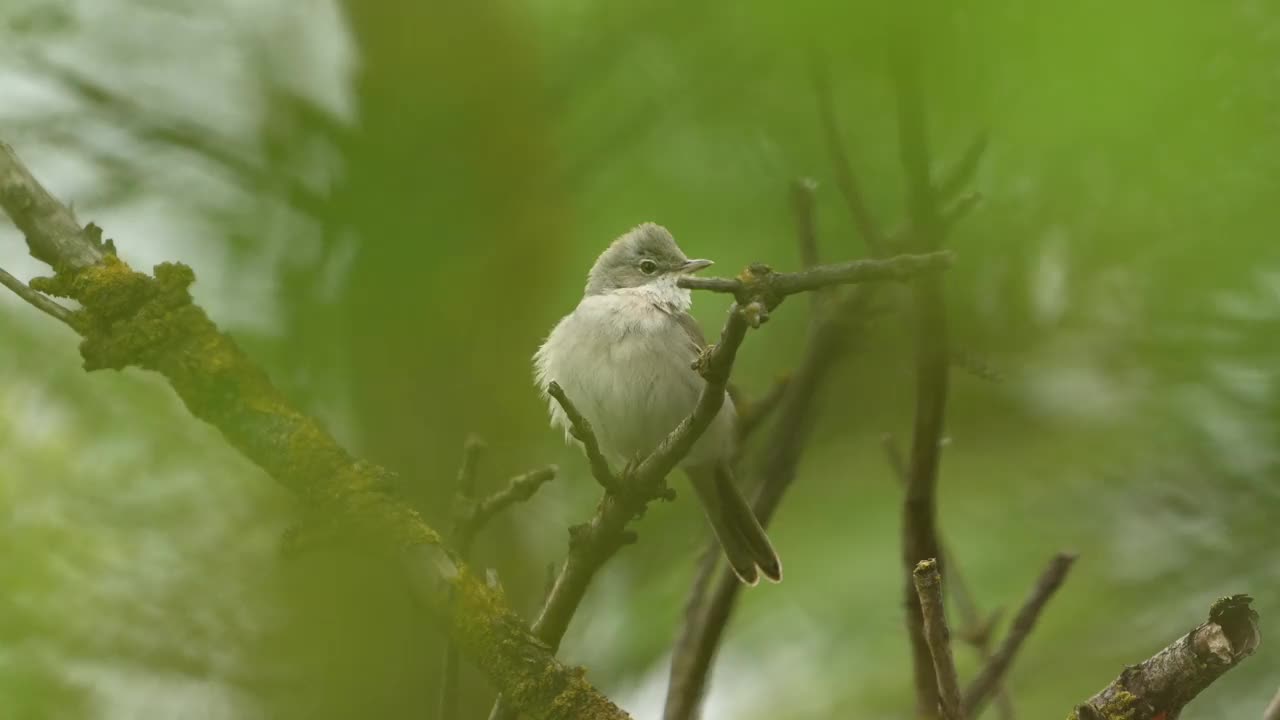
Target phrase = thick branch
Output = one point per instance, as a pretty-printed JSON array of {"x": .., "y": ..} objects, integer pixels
[
  {"x": 928, "y": 582},
  {"x": 989, "y": 678},
  {"x": 150, "y": 322},
  {"x": 1162, "y": 685}
]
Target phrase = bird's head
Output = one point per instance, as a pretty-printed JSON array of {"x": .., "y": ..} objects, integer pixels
[{"x": 645, "y": 254}]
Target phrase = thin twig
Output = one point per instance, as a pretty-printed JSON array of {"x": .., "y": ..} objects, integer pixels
[
  {"x": 462, "y": 535},
  {"x": 37, "y": 299},
  {"x": 1273, "y": 708},
  {"x": 989, "y": 678},
  {"x": 863, "y": 219},
  {"x": 582, "y": 432},
  {"x": 928, "y": 584},
  {"x": 1162, "y": 685},
  {"x": 762, "y": 281},
  {"x": 802, "y": 191},
  {"x": 962, "y": 174},
  {"x": 976, "y": 631},
  {"x": 753, "y": 414},
  {"x": 519, "y": 489}
]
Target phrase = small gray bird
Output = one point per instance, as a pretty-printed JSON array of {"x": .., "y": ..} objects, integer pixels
[{"x": 624, "y": 357}]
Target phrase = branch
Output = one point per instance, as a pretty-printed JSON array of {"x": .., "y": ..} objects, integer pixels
[
  {"x": 591, "y": 545},
  {"x": 833, "y": 333},
  {"x": 463, "y": 510},
  {"x": 1162, "y": 685},
  {"x": 928, "y": 582},
  {"x": 132, "y": 319},
  {"x": 919, "y": 526},
  {"x": 751, "y": 415},
  {"x": 37, "y": 299},
  {"x": 863, "y": 219},
  {"x": 975, "y": 630},
  {"x": 1273, "y": 709},
  {"x": 582, "y": 432},
  {"x": 760, "y": 281},
  {"x": 802, "y": 191},
  {"x": 989, "y": 678},
  {"x": 469, "y": 518}
]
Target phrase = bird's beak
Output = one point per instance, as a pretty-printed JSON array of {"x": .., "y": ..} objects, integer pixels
[{"x": 693, "y": 266}]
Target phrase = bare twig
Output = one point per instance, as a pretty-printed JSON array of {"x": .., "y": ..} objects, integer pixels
[
  {"x": 919, "y": 527},
  {"x": 1273, "y": 708},
  {"x": 582, "y": 432},
  {"x": 37, "y": 299},
  {"x": 519, "y": 489},
  {"x": 802, "y": 190},
  {"x": 989, "y": 678},
  {"x": 863, "y": 219},
  {"x": 1162, "y": 685},
  {"x": 763, "y": 282},
  {"x": 462, "y": 535},
  {"x": 976, "y": 630},
  {"x": 928, "y": 582},
  {"x": 133, "y": 319},
  {"x": 962, "y": 174},
  {"x": 751, "y": 415}
]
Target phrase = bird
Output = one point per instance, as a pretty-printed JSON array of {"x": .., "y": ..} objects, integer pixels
[{"x": 625, "y": 358}]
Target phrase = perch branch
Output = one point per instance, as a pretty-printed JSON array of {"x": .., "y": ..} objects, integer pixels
[
  {"x": 133, "y": 319},
  {"x": 928, "y": 582},
  {"x": 989, "y": 678},
  {"x": 592, "y": 544},
  {"x": 761, "y": 281},
  {"x": 1162, "y": 685}
]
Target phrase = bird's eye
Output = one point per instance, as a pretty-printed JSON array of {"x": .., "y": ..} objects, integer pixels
[{"x": 648, "y": 267}]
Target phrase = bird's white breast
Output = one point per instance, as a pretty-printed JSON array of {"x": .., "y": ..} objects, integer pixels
[{"x": 625, "y": 361}]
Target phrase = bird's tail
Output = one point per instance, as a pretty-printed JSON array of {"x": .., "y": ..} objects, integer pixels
[{"x": 744, "y": 541}]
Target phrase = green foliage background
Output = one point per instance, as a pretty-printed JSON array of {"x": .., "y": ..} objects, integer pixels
[{"x": 390, "y": 203}]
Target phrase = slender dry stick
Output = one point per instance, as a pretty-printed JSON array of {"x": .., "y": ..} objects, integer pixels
[
  {"x": 1273, "y": 708},
  {"x": 928, "y": 582},
  {"x": 919, "y": 527},
  {"x": 976, "y": 630},
  {"x": 863, "y": 219},
  {"x": 36, "y": 299},
  {"x": 989, "y": 677},
  {"x": 1162, "y": 685},
  {"x": 133, "y": 319}
]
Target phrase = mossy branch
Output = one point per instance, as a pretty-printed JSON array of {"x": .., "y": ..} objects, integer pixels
[
  {"x": 1162, "y": 685},
  {"x": 128, "y": 318}
]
